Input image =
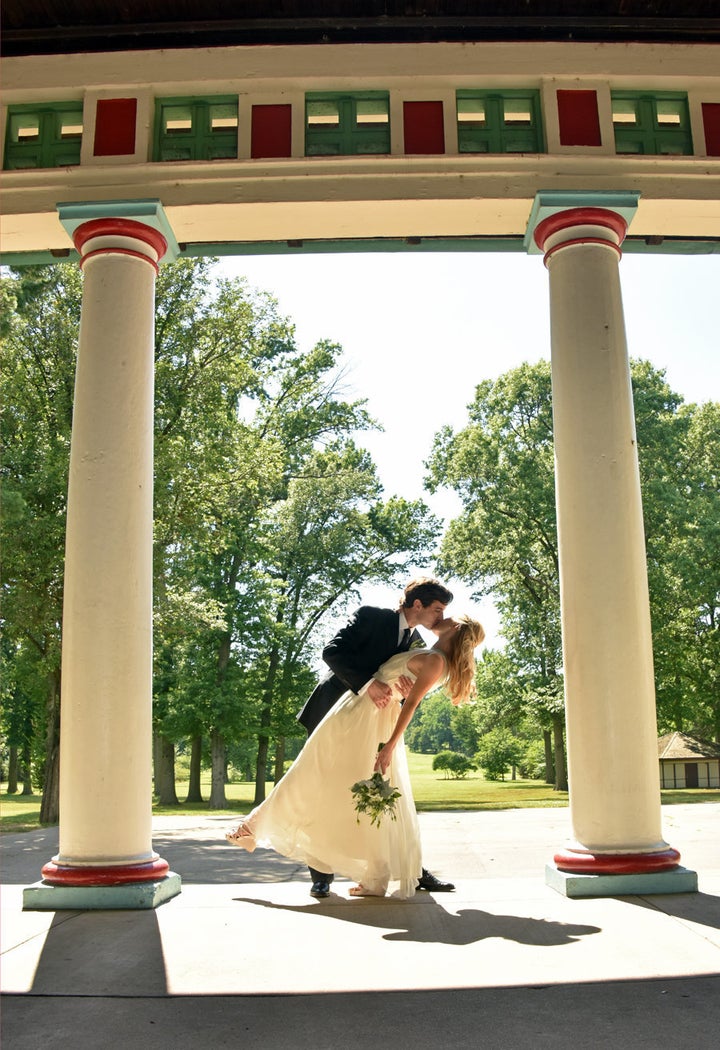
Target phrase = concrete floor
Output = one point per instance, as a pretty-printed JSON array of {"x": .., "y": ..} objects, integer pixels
[{"x": 245, "y": 957}]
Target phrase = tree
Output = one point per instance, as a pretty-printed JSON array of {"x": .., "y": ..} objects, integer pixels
[
  {"x": 453, "y": 764},
  {"x": 680, "y": 452},
  {"x": 38, "y": 369},
  {"x": 431, "y": 727},
  {"x": 332, "y": 533},
  {"x": 216, "y": 347},
  {"x": 464, "y": 729},
  {"x": 508, "y": 697},
  {"x": 267, "y": 516},
  {"x": 504, "y": 541},
  {"x": 497, "y": 752}
]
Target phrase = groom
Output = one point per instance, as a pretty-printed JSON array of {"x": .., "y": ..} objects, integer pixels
[{"x": 370, "y": 638}]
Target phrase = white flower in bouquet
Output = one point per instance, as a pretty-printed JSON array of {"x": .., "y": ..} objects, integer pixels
[{"x": 375, "y": 796}]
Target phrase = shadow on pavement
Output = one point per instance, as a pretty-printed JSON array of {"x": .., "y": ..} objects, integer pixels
[
  {"x": 197, "y": 860},
  {"x": 703, "y": 908},
  {"x": 102, "y": 953},
  {"x": 438, "y": 926},
  {"x": 643, "y": 1015}
]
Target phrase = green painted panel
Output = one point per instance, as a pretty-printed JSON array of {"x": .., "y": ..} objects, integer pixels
[
  {"x": 655, "y": 124},
  {"x": 351, "y": 124},
  {"x": 499, "y": 122},
  {"x": 45, "y": 136},
  {"x": 196, "y": 128}
]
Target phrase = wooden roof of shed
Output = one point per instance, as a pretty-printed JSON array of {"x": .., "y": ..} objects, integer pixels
[
  {"x": 33, "y": 27},
  {"x": 680, "y": 747}
]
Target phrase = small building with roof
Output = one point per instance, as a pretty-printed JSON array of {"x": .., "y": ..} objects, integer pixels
[{"x": 688, "y": 763}]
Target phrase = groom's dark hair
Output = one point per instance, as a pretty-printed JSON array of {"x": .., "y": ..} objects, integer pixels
[{"x": 428, "y": 590}]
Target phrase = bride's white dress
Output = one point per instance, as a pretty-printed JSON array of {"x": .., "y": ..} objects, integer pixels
[{"x": 310, "y": 814}]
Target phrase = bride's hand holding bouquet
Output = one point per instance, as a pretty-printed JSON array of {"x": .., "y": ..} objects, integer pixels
[
  {"x": 375, "y": 796},
  {"x": 384, "y": 757}
]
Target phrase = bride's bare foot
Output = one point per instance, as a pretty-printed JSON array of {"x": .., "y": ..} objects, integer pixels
[
  {"x": 242, "y": 831},
  {"x": 362, "y": 891}
]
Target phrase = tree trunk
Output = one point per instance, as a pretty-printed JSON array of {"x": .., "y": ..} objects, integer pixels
[
  {"x": 156, "y": 760},
  {"x": 27, "y": 770},
  {"x": 12, "y": 770},
  {"x": 261, "y": 769},
  {"x": 549, "y": 764},
  {"x": 279, "y": 759},
  {"x": 218, "y": 752},
  {"x": 165, "y": 771},
  {"x": 50, "y": 804},
  {"x": 217, "y": 775},
  {"x": 194, "y": 792},
  {"x": 561, "y": 782},
  {"x": 265, "y": 719}
]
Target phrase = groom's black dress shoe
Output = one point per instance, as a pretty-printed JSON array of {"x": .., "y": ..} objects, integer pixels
[
  {"x": 427, "y": 881},
  {"x": 320, "y": 889}
]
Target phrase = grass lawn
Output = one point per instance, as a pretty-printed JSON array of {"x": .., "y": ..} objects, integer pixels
[{"x": 432, "y": 792}]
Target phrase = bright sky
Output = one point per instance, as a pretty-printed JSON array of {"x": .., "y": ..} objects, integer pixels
[{"x": 420, "y": 331}]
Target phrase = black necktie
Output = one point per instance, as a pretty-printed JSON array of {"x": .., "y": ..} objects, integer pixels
[{"x": 405, "y": 643}]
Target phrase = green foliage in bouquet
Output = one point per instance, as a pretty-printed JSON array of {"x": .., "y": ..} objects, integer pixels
[{"x": 375, "y": 796}]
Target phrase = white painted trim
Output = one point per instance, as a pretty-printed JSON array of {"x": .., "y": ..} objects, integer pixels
[
  {"x": 339, "y": 67},
  {"x": 548, "y": 94},
  {"x": 427, "y": 93},
  {"x": 288, "y": 97},
  {"x": 143, "y": 127}
]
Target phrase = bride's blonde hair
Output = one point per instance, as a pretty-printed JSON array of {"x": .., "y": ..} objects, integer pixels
[{"x": 461, "y": 659}]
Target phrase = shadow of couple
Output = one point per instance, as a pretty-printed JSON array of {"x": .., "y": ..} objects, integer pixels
[{"x": 424, "y": 920}]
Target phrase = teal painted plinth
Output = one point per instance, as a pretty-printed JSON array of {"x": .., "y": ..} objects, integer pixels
[
  {"x": 41, "y": 896},
  {"x": 679, "y": 880}
]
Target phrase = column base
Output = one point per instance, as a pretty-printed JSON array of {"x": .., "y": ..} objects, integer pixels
[
  {"x": 44, "y": 896},
  {"x": 579, "y": 861},
  {"x": 638, "y": 884},
  {"x": 104, "y": 874}
]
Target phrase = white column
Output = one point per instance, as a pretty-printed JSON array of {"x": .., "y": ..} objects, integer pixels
[
  {"x": 608, "y": 666},
  {"x": 106, "y": 727}
]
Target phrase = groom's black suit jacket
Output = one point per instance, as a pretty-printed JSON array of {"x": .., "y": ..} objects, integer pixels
[{"x": 353, "y": 656}]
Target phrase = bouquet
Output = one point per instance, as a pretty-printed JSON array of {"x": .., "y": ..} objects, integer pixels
[{"x": 375, "y": 796}]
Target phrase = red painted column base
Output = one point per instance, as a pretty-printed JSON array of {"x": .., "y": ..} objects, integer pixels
[
  {"x": 581, "y": 862},
  {"x": 109, "y": 875}
]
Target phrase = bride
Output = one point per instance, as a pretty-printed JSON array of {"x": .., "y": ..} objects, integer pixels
[{"x": 310, "y": 815}]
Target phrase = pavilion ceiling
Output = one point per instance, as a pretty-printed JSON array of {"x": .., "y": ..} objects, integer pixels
[{"x": 36, "y": 27}]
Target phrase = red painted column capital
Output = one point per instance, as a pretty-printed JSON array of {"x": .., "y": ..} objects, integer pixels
[
  {"x": 115, "y": 236},
  {"x": 580, "y": 226}
]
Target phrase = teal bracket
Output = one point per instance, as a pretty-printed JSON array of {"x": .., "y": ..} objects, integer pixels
[
  {"x": 150, "y": 212},
  {"x": 550, "y": 202}
]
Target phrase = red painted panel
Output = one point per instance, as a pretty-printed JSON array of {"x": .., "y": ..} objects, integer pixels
[
  {"x": 711, "y": 122},
  {"x": 579, "y": 119},
  {"x": 424, "y": 129},
  {"x": 271, "y": 131},
  {"x": 115, "y": 127}
]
